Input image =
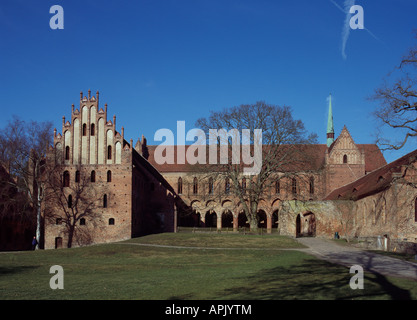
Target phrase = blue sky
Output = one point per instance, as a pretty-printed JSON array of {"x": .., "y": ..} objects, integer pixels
[{"x": 158, "y": 62}]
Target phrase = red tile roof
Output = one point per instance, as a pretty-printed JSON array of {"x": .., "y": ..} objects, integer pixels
[
  {"x": 373, "y": 182},
  {"x": 315, "y": 153}
]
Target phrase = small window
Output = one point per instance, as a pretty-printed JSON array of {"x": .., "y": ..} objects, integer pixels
[
  {"x": 82, "y": 222},
  {"x": 105, "y": 201},
  {"x": 179, "y": 185},
  {"x": 211, "y": 189},
  {"x": 109, "y": 176},
  {"x": 109, "y": 152},
  {"x": 227, "y": 186},
  {"x": 70, "y": 201},
  {"x": 67, "y": 153},
  {"x": 111, "y": 222},
  {"x": 66, "y": 180},
  {"x": 345, "y": 159},
  {"x": 84, "y": 129},
  {"x": 92, "y": 130},
  {"x": 294, "y": 185},
  {"x": 77, "y": 176},
  {"x": 277, "y": 187},
  {"x": 93, "y": 176},
  {"x": 195, "y": 186},
  {"x": 311, "y": 185}
]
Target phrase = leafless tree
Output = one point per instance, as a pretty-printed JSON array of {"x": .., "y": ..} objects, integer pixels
[
  {"x": 398, "y": 102},
  {"x": 23, "y": 148},
  {"x": 283, "y": 142},
  {"x": 68, "y": 203}
]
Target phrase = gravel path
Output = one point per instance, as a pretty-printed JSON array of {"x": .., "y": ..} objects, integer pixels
[{"x": 349, "y": 256}]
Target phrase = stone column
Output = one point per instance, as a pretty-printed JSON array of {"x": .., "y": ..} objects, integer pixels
[
  {"x": 235, "y": 222},
  {"x": 268, "y": 223}
]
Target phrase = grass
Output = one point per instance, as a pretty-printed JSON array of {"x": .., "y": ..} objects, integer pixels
[
  {"x": 128, "y": 271},
  {"x": 216, "y": 240}
]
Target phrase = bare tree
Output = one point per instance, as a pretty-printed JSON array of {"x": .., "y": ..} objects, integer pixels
[
  {"x": 69, "y": 203},
  {"x": 398, "y": 101},
  {"x": 283, "y": 141},
  {"x": 23, "y": 148}
]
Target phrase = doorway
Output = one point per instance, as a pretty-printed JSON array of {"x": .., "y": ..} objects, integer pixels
[{"x": 305, "y": 225}]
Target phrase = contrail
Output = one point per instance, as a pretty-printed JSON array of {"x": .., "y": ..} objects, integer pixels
[
  {"x": 337, "y": 6},
  {"x": 346, "y": 28}
]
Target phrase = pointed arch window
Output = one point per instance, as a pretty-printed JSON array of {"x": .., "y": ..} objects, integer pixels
[
  {"x": 77, "y": 176},
  {"x": 70, "y": 201},
  {"x": 179, "y": 189},
  {"x": 109, "y": 152},
  {"x": 92, "y": 129},
  {"x": 67, "y": 153},
  {"x": 66, "y": 179},
  {"x": 227, "y": 186},
  {"x": 195, "y": 186},
  {"x": 311, "y": 185},
  {"x": 345, "y": 158},
  {"x": 210, "y": 186},
  {"x": 93, "y": 176},
  {"x": 105, "y": 201},
  {"x": 84, "y": 129},
  {"x": 108, "y": 176},
  {"x": 277, "y": 187},
  {"x": 294, "y": 185}
]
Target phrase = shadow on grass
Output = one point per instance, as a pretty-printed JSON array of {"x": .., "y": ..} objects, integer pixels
[
  {"x": 313, "y": 280},
  {"x": 13, "y": 270}
]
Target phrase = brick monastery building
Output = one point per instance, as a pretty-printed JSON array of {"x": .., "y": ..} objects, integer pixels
[{"x": 348, "y": 188}]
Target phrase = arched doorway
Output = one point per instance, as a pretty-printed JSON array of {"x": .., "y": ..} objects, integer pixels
[
  {"x": 243, "y": 220},
  {"x": 211, "y": 219},
  {"x": 261, "y": 219},
  {"x": 188, "y": 218},
  {"x": 227, "y": 219},
  {"x": 298, "y": 226},
  {"x": 305, "y": 225},
  {"x": 274, "y": 220}
]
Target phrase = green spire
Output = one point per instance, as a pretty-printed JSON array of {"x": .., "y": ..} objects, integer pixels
[{"x": 330, "y": 128}]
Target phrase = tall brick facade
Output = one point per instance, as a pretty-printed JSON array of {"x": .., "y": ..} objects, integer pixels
[{"x": 107, "y": 190}]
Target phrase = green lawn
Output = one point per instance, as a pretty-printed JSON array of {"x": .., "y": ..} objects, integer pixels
[
  {"x": 220, "y": 240},
  {"x": 130, "y": 271}
]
